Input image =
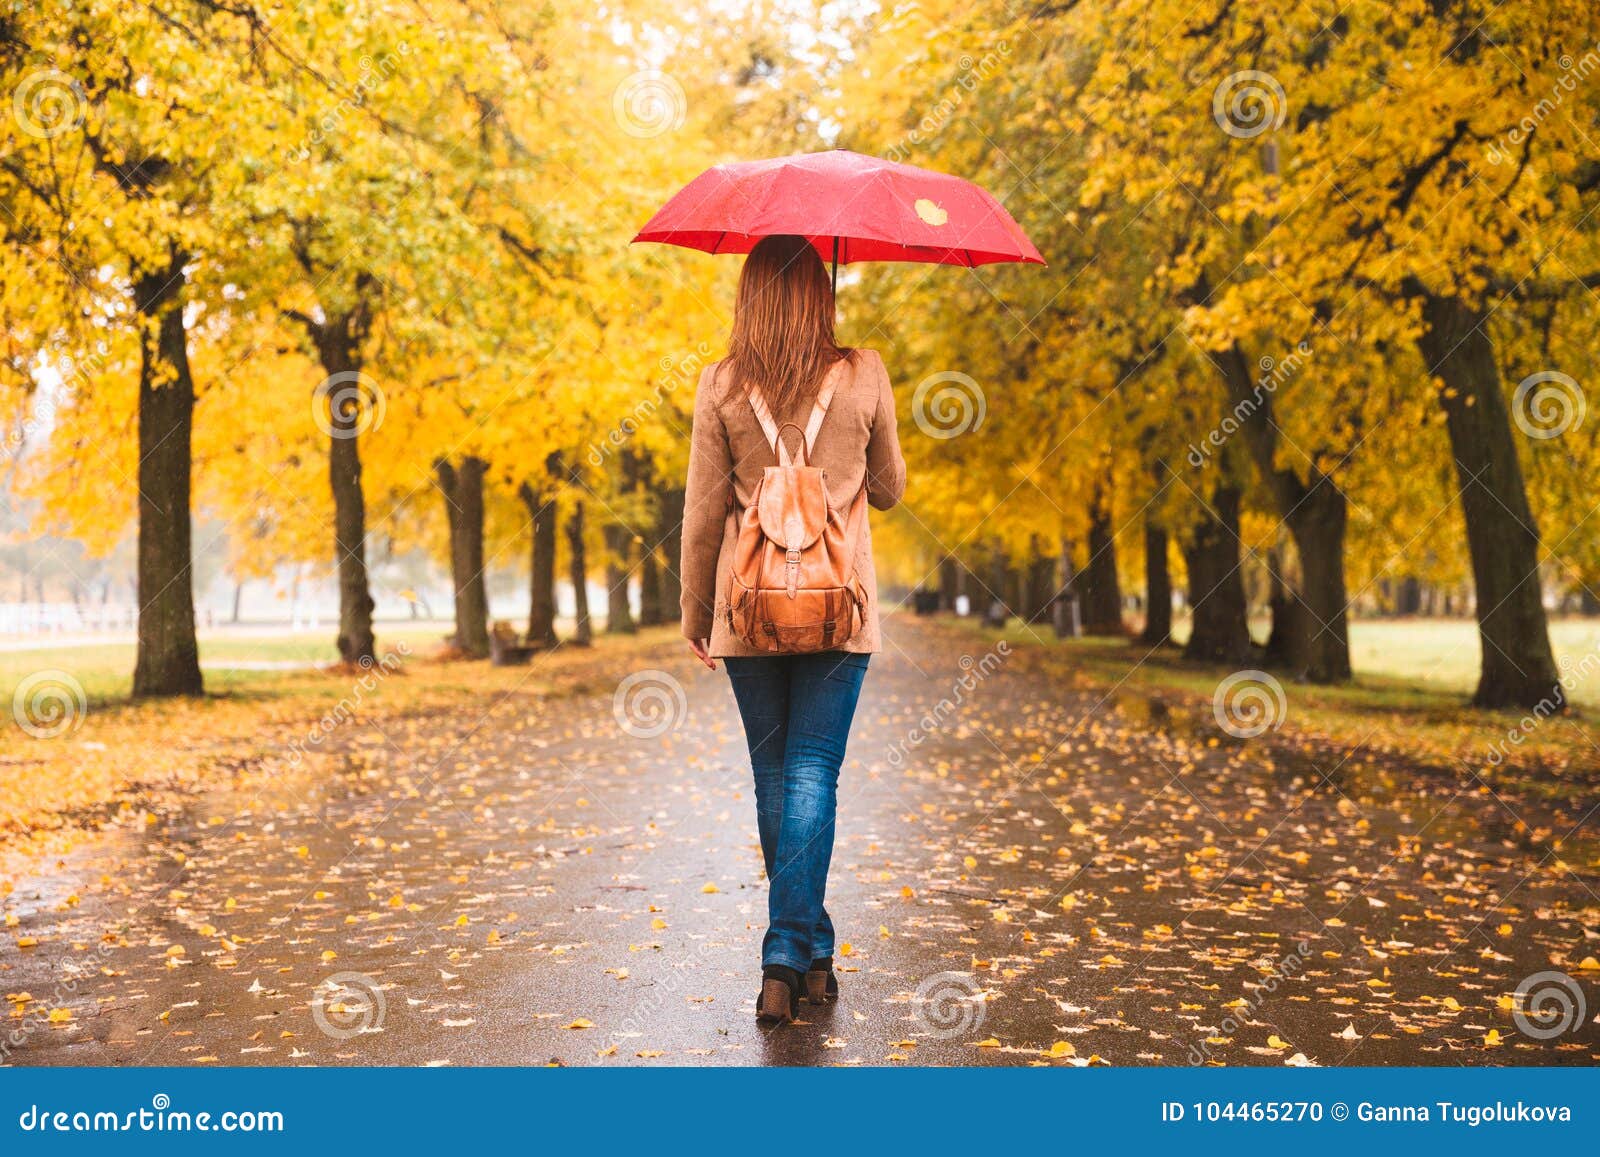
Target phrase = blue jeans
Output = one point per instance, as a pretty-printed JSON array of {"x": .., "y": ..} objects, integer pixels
[{"x": 797, "y": 711}]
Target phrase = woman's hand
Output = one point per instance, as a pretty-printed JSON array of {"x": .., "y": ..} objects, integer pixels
[{"x": 702, "y": 651}]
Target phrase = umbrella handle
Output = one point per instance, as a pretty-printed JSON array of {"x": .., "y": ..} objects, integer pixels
[{"x": 836, "y": 266}]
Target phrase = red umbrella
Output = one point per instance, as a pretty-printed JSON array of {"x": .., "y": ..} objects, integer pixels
[{"x": 851, "y": 207}]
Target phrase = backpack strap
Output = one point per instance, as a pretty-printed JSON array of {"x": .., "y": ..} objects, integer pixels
[{"x": 772, "y": 430}]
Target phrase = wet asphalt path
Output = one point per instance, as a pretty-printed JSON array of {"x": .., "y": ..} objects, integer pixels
[{"x": 1050, "y": 875}]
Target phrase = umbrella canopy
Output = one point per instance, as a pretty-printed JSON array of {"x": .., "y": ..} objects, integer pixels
[{"x": 850, "y": 207}]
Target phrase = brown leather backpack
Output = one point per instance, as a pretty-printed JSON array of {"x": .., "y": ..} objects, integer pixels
[{"x": 793, "y": 587}]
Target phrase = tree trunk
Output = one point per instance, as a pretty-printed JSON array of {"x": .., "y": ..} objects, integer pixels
[
  {"x": 579, "y": 574},
  {"x": 949, "y": 583},
  {"x": 1157, "y": 587},
  {"x": 651, "y": 611},
  {"x": 542, "y": 581},
  {"x": 238, "y": 598},
  {"x": 1316, "y": 512},
  {"x": 168, "y": 656},
  {"x": 1102, "y": 603},
  {"x": 463, "y": 503},
  {"x": 339, "y": 341},
  {"x": 669, "y": 533},
  {"x": 1220, "y": 632},
  {"x": 618, "y": 539},
  {"x": 1066, "y": 617},
  {"x": 1588, "y": 602},
  {"x": 619, "y": 615},
  {"x": 1280, "y": 607},
  {"x": 998, "y": 611},
  {"x": 1041, "y": 574},
  {"x": 1518, "y": 668},
  {"x": 1408, "y": 598}
]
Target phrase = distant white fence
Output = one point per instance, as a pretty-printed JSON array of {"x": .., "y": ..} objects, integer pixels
[{"x": 67, "y": 618}]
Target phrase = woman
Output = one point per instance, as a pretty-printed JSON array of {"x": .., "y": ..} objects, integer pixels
[{"x": 796, "y": 708}]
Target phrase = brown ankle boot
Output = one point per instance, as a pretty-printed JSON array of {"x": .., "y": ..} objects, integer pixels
[
  {"x": 821, "y": 983},
  {"x": 779, "y": 999}
]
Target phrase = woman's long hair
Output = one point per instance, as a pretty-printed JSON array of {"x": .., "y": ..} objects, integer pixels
[{"x": 782, "y": 341}]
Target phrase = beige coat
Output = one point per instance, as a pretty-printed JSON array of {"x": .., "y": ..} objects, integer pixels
[{"x": 727, "y": 454}]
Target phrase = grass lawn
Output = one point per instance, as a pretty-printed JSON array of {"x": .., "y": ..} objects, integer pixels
[
  {"x": 231, "y": 660},
  {"x": 1443, "y": 653},
  {"x": 1409, "y": 697}
]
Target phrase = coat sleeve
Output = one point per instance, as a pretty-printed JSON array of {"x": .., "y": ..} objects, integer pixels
[
  {"x": 886, "y": 469},
  {"x": 705, "y": 509}
]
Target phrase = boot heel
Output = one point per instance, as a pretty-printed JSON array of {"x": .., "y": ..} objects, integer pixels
[
  {"x": 779, "y": 999},
  {"x": 821, "y": 983}
]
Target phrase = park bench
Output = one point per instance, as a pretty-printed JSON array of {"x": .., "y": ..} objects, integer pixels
[{"x": 505, "y": 650}]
